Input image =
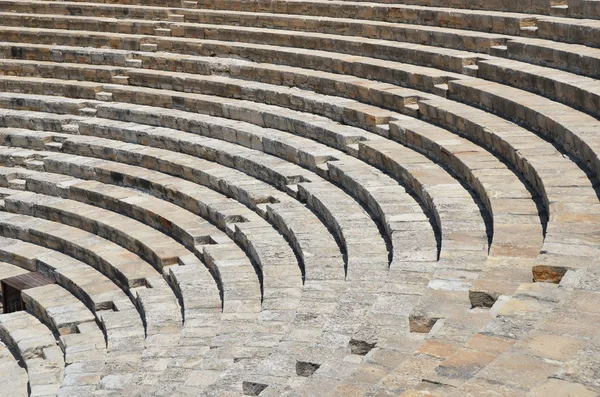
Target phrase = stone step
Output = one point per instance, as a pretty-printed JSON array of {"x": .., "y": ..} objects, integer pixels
[
  {"x": 37, "y": 348},
  {"x": 15, "y": 376}
]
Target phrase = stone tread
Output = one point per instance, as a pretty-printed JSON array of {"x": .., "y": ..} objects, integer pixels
[
  {"x": 38, "y": 350},
  {"x": 473, "y": 40},
  {"x": 327, "y": 61},
  {"x": 59, "y": 309},
  {"x": 159, "y": 305},
  {"x": 538, "y": 162},
  {"x": 419, "y": 14},
  {"x": 580, "y": 92},
  {"x": 199, "y": 234},
  {"x": 9, "y": 270},
  {"x": 135, "y": 236},
  {"x": 499, "y": 188},
  {"x": 444, "y": 58},
  {"x": 570, "y": 128},
  {"x": 574, "y": 58},
  {"x": 80, "y": 338},
  {"x": 14, "y": 377}
]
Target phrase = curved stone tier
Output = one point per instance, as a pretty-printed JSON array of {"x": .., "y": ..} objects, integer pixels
[{"x": 301, "y": 197}]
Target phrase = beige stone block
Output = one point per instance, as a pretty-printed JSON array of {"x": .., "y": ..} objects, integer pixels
[
  {"x": 560, "y": 388},
  {"x": 552, "y": 347}
]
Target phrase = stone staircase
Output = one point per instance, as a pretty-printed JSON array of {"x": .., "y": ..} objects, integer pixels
[{"x": 301, "y": 197}]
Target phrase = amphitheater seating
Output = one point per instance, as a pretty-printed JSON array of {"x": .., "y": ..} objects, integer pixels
[
  {"x": 301, "y": 197},
  {"x": 37, "y": 349}
]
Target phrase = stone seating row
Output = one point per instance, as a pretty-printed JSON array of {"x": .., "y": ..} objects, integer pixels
[
  {"x": 120, "y": 321},
  {"x": 160, "y": 215},
  {"x": 443, "y": 58},
  {"x": 14, "y": 377},
  {"x": 201, "y": 240},
  {"x": 574, "y": 114},
  {"x": 66, "y": 319},
  {"x": 530, "y": 6},
  {"x": 197, "y": 305},
  {"x": 541, "y": 6},
  {"x": 467, "y": 37},
  {"x": 572, "y": 130},
  {"x": 437, "y": 36},
  {"x": 80, "y": 338},
  {"x": 391, "y": 9},
  {"x": 37, "y": 349},
  {"x": 223, "y": 217},
  {"x": 418, "y": 188},
  {"x": 589, "y": 104},
  {"x": 110, "y": 225},
  {"x": 578, "y": 92},
  {"x": 173, "y": 131},
  {"x": 570, "y": 8}
]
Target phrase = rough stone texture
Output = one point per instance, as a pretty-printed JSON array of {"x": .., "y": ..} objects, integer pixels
[{"x": 301, "y": 197}]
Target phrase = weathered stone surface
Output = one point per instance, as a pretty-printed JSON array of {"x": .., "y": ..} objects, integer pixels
[{"x": 301, "y": 197}]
